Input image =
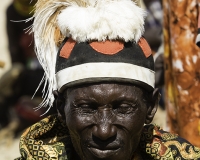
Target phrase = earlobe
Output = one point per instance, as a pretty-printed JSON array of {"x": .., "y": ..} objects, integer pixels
[{"x": 152, "y": 107}]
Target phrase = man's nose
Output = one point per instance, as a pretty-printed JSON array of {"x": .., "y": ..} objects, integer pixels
[{"x": 104, "y": 128}]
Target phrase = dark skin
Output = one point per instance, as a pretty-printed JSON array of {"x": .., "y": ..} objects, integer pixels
[{"x": 106, "y": 120}]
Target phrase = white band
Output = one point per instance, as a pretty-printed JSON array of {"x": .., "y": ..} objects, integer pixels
[{"x": 105, "y": 70}]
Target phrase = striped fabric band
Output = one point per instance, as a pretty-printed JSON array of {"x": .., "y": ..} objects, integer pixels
[{"x": 102, "y": 70}]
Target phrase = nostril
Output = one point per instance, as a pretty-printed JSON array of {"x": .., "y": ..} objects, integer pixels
[{"x": 104, "y": 142}]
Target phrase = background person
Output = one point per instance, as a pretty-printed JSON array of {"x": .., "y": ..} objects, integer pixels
[{"x": 19, "y": 84}]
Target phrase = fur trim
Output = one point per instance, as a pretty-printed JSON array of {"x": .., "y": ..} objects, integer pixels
[
  {"x": 82, "y": 20},
  {"x": 104, "y": 19}
]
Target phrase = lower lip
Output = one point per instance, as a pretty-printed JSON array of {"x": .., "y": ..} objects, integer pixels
[{"x": 102, "y": 153}]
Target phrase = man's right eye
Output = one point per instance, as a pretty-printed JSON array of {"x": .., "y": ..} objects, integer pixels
[
  {"x": 86, "y": 108},
  {"x": 84, "y": 105}
]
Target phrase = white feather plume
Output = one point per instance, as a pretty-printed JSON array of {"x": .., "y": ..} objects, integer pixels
[{"x": 83, "y": 20}]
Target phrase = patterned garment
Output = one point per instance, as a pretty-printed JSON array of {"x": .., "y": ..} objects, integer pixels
[{"x": 49, "y": 139}]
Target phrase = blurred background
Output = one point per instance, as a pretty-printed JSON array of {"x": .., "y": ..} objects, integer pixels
[
  {"x": 20, "y": 75},
  {"x": 8, "y": 149},
  {"x": 5, "y": 58}
]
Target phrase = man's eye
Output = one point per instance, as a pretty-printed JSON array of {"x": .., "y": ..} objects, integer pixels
[
  {"x": 86, "y": 108},
  {"x": 126, "y": 108},
  {"x": 83, "y": 105}
]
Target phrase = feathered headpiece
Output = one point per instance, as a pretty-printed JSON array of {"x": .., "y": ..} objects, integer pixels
[{"x": 81, "y": 21}]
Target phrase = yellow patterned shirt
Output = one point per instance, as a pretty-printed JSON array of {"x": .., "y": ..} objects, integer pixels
[{"x": 49, "y": 139}]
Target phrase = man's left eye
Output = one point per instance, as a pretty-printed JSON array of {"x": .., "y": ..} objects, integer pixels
[{"x": 126, "y": 108}]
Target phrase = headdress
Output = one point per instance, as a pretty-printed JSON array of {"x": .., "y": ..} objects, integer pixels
[{"x": 84, "y": 41}]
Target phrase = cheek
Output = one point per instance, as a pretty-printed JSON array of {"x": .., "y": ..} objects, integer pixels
[
  {"x": 135, "y": 120},
  {"x": 75, "y": 121},
  {"x": 133, "y": 125},
  {"x": 77, "y": 126}
]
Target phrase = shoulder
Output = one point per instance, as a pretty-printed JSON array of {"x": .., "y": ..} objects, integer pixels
[
  {"x": 159, "y": 144},
  {"x": 48, "y": 137}
]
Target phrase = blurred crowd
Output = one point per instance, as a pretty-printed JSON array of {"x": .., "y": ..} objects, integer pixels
[
  {"x": 19, "y": 83},
  {"x": 154, "y": 35}
]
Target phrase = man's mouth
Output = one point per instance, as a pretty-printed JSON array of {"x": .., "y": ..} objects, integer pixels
[{"x": 103, "y": 152}]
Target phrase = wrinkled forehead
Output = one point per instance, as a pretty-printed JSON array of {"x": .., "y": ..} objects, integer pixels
[{"x": 106, "y": 89}]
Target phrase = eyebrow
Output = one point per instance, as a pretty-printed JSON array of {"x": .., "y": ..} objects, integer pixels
[{"x": 130, "y": 99}]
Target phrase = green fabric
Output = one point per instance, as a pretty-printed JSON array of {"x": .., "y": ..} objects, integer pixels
[{"x": 49, "y": 139}]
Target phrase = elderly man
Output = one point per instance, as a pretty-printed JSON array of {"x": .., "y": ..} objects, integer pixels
[{"x": 102, "y": 75}]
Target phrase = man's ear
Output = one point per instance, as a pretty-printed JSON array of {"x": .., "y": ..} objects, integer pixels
[
  {"x": 152, "y": 106},
  {"x": 60, "y": 103}
]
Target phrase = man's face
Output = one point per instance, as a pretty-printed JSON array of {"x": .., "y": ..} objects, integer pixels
[{"x": 105, "y": 120}]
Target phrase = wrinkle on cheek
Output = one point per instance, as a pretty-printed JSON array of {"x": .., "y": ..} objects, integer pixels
[
  {"x": 74, "y": 123},
  {"x": 133, "y": 123},
  {"x": 77, "y": 121},
  {"x": 76, "y": 141}
]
